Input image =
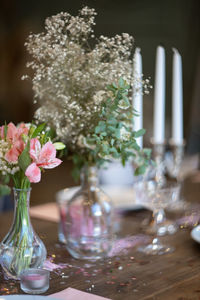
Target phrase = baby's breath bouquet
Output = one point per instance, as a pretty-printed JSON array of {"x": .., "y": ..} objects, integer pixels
[{"x": 82, "y": 85}]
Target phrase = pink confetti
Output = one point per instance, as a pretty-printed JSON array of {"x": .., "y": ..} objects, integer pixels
[
  {"x": 121, "y": 246},
  {"x": 50, "y": 266},
  {"x": 189, "y": 220}
]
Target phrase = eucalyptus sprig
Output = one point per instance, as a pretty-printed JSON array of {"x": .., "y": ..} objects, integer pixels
[{"x": 112, "y": 137}]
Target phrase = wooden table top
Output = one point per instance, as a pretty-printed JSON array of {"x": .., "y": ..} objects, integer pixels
[{"x": 131, "y": 276}]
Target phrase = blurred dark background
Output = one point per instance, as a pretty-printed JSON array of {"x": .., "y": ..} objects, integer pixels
[{"x": 172, "y": 23}]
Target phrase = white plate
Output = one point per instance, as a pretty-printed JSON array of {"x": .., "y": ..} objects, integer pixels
[
  {"x": 25, "y": 297},
  {"x": 195, "y": 234}
]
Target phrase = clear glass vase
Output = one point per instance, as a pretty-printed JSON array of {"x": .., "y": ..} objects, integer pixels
[
  {"x": 89, "y": 219},
  {"x": 21, "y": 248}
]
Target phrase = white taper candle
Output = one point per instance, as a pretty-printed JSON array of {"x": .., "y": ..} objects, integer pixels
[
  {"x": 138, "y": 94},
  {"x": 159, "y": 97},
  {"x": 177, "y": 99}
]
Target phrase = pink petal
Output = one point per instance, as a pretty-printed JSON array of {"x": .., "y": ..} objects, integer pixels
[
  {"x": 12, "y": 155},
  {"x": 33, "y": 173},
  {"x": 35, "y": 148},
  {"x": 47, "y": 153},
  {"x": 19, "y": 145},
  {"x": 52, "y": 163},
  {"x": 11, "y": 132},
  {"x": 22, "y": 129},
  {"x": 47, "y": 157},
  {"x": 2, "y": 132}
]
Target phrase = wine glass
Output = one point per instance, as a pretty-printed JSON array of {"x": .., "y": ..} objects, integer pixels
[{"x": 157, "y": 198}]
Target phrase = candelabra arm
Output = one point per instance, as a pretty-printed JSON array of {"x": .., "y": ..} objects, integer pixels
[
  {"x": 177, "y": 159},
  {"x": 158, "y": 156}
]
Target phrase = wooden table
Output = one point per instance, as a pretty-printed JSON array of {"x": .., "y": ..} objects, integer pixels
[{"x": 132, "y": 276}]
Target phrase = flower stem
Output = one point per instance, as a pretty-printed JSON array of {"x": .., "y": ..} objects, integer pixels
[{"x": 22, "y": 236}]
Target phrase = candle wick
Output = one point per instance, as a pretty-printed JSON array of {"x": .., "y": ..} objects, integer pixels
[
  {"x": 175, "y": 50},
  {"x": 138, "y": 50}
]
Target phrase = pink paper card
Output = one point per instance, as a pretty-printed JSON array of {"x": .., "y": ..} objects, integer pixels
[{"x": 73, "y": 294}]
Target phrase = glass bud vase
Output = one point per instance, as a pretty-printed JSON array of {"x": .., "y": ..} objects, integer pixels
[
  {"x": 89, "y": 219},
  {"x": 21, "y": 248}
]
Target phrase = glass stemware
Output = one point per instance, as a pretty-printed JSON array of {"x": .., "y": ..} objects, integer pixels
[{"x": 157, "y": 198}]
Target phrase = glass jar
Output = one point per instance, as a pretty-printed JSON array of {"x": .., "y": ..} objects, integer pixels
[
  {"x": 21, "y": 248},
  {"x": 89, "y": 219}
]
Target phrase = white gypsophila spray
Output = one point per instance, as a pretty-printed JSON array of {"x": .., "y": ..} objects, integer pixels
[{"x": 70, "y": 76}]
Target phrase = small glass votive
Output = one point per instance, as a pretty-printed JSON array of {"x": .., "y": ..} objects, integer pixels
[{"x": 34, "y": 281}]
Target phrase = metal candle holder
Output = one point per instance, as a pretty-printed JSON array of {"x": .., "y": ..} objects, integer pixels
[{"x": 158, "y": 156}]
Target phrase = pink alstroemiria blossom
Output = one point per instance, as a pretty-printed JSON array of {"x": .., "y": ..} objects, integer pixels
[
  {"x": 42, "y": 157},
  {"x": 14, "y": 138}
]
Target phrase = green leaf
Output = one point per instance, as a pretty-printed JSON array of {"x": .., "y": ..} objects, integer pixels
[
  {"x": 5, "y": 130},
  {"x": 24, "y": 138},
  {"x": 112, "y": 142},
  {"x": 140, "y": 170},
  {"x": 102, "y": 123},
  {"x": 105, "y": 148},
  {"x": 136, "y": 147},
  {"x": 31, "y": 130},
  {"x": 123, "y": 161},
  {"x": 120, "y": 125},
  {"x": 111, "y": 88},
  {"x": 38, "y": 130},
  {"x": 103, "y": 133},
  {"x": 4, "y": 190},
  {"x": 126, "y": 100},
  {"x": 114, "y": 85},
  {"x": 24, "y": 158},
  {"x": 100, "y": 127},
  {"x": 112, "y": 121},
  {"x": 50, "y": 134},
  {"x": 6, "y": 179},
  {"x": 117, "y": 133},
  {"x": 59, "y": 146},
  {"x": 76, "y": 173},
  {"x": 139, "y": 133},
  {"x": 147, "y": 152},
  {"x": 121, "y": 82},
  {"x": 135, "y": 112},
  {"x": 111, "y": 128},
  {"x": 113, "y": 150},
  {"x": 78, "y": 160}
]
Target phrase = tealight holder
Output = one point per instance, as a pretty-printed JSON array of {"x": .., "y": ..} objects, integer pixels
[
  {"x": 34, "y": 281},
  {"x": 158, "y": 156},
  {"x": 177, "y": 158}
]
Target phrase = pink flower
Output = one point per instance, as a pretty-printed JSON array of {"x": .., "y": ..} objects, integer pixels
[
  {"x": 33, "y": 173},
  {"x": 14, "y": 137},
  {"x": 44, "y": 157}
]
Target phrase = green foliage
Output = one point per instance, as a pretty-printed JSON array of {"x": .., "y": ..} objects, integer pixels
[
  {"x": 4, "y": 190},
  {"x": 139, "y": 133},
  {"x": 113, "y": 136},
  {"x": 24, "y": 159},
  {"x": 45, "y": 135},
  {"x": 38, "y": 130},
  {"x": 59, "y": 146},
  {"x": 5, "y": 130}
]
